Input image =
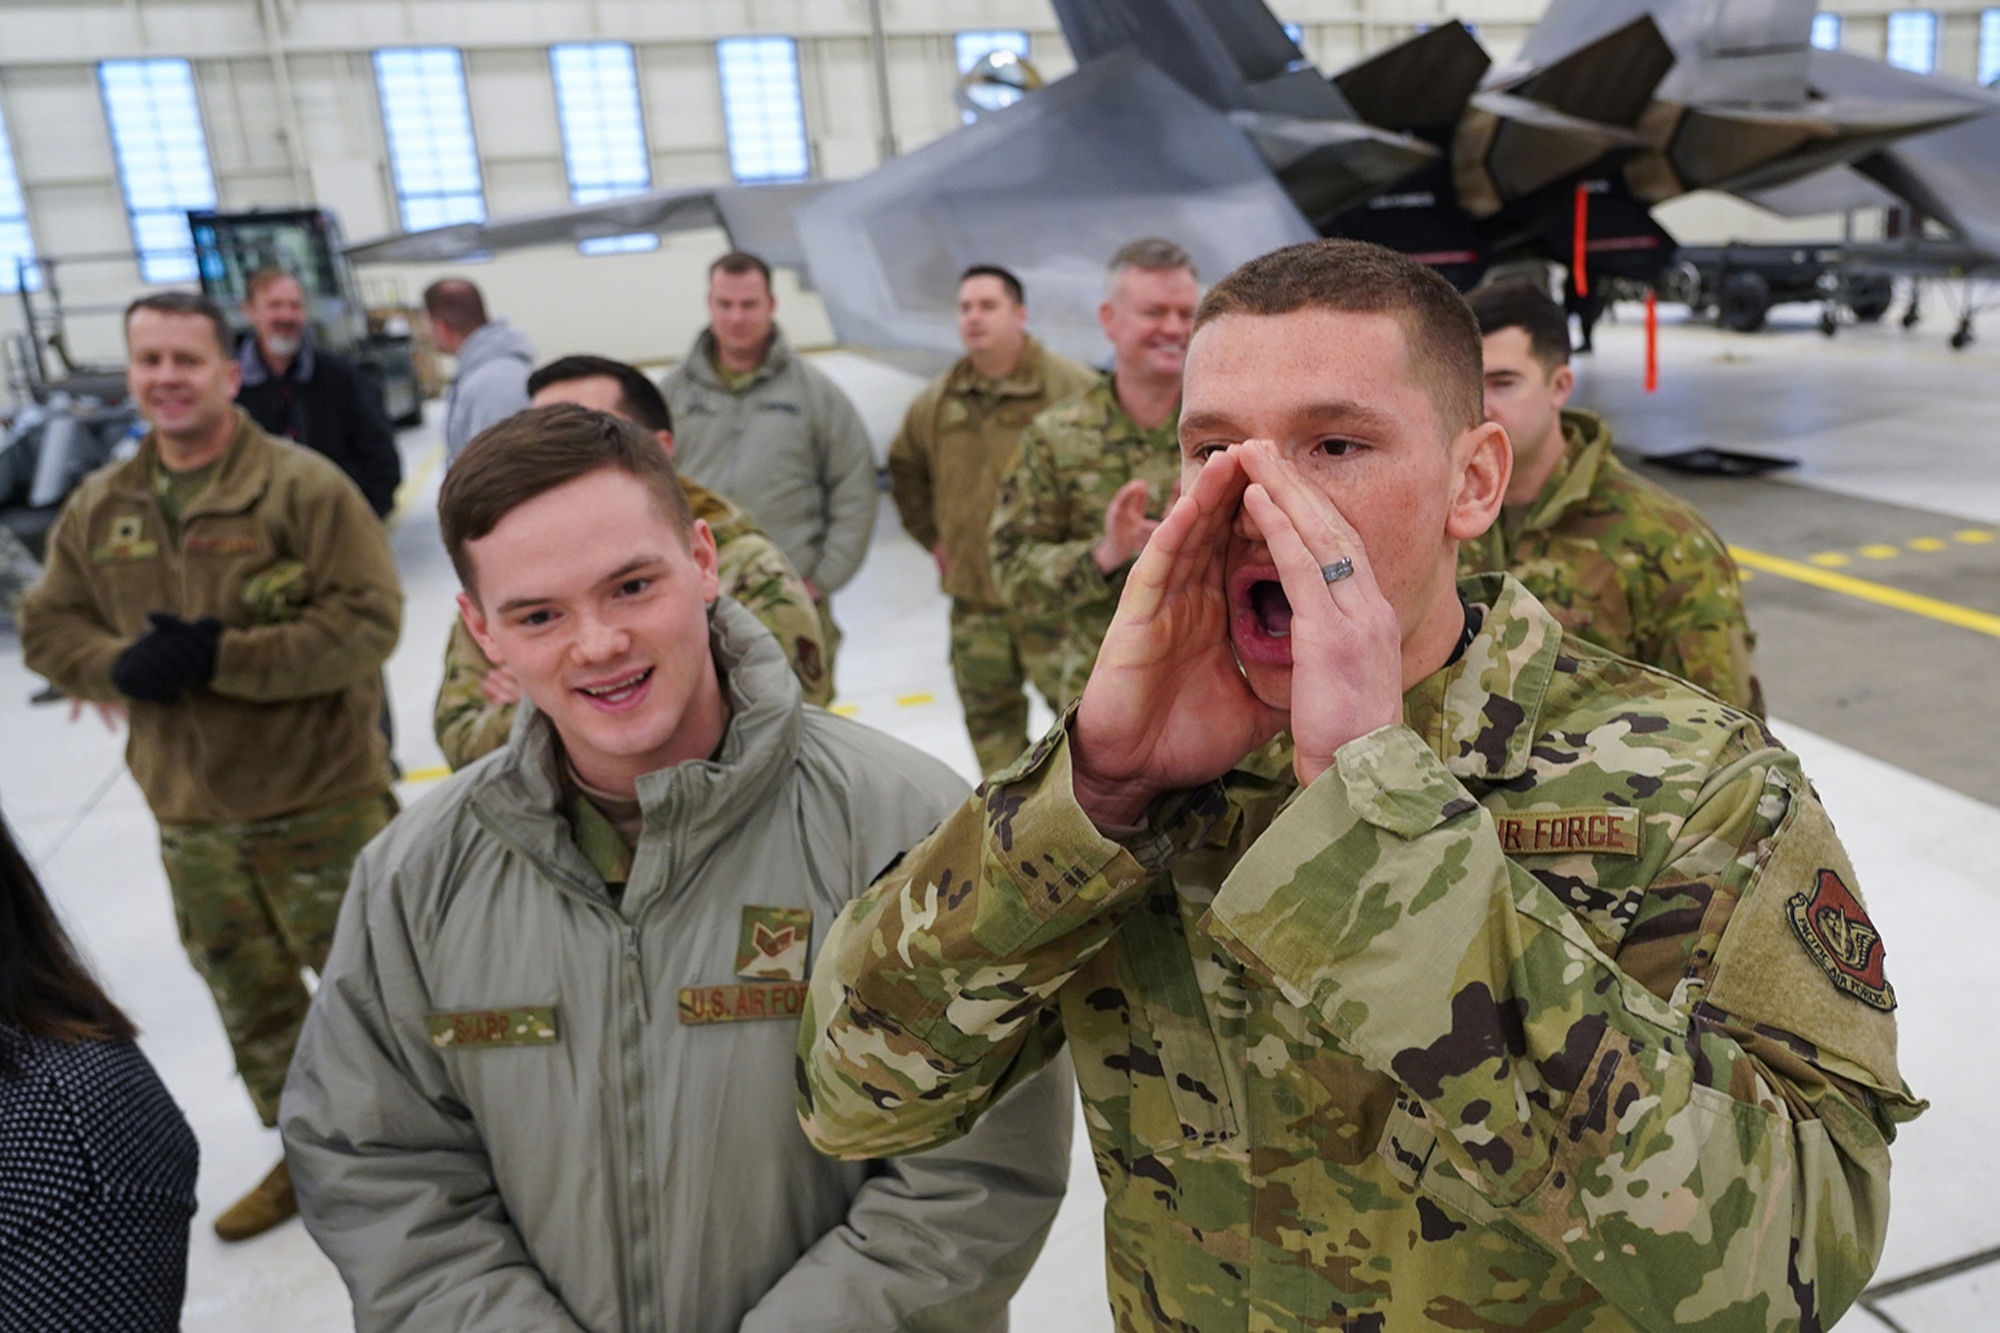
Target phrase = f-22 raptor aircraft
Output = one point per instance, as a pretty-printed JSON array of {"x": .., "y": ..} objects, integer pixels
[{"x": 1201, "y": 120}]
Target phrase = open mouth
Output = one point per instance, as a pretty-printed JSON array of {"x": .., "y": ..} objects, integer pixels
[
  {"x": 1260, "y": 618},
  {"x": 1272, "y": 608},
  {"x": 619, "y": 692}
]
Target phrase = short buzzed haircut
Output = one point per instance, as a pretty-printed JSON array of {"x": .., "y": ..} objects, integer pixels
[
  {"x": 1355, "y": 277},
  {"x": 456, "y": 304},
  {"x": 1521, "y": 305},
  {"x": 1006, "y": 278},
  {"x": 739, "y": 262},
  {"x": 1155, "y": 254},
  {"x": 532, "y": 453},
  {"x": 186, "y": 303},
  {"x": 264, "y": 277},
  {"x": 639, "y": 399}
]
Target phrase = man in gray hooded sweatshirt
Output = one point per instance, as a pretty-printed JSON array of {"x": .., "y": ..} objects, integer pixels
[{"x": 494, "y": 359}]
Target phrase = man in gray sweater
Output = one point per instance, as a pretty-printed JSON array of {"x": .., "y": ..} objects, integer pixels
[{"x": 755, "y": 422}]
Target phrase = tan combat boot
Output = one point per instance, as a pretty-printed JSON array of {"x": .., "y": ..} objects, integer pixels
[{"x": 261, "y": 1209}]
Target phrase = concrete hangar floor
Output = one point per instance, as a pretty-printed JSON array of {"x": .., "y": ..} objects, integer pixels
[{"x": 1874, "y": 586}]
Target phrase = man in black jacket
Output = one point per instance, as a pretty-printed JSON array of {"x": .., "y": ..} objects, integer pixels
[{"x": 304, "y": 393}]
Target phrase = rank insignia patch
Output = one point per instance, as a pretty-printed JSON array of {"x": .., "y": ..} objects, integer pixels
[
  {"x": 1836, "y": 931},
  {"x": 774, "y": 943}
]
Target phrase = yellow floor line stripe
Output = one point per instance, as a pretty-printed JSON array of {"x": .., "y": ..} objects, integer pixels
[
  {"x": 1980, "y": 622},
  {"x": 437, "y": 774},
  {"x": 413, "y": 485}
]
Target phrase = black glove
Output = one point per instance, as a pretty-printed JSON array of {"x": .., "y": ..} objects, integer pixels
[{"x": 175, "y": 655}]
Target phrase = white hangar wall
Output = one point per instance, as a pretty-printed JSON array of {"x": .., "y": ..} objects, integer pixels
[{"x": 288, "y": 99}]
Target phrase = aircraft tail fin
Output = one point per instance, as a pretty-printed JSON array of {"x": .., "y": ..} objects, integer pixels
[
  {"x": 1232, "y": 54},
  {"x": 1421, "y": 84}
]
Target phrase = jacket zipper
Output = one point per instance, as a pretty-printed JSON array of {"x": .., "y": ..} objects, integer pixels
[{"x": 635, "y": 974}]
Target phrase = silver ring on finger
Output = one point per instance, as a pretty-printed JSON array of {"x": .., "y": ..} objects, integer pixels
[{"x": 1340, "y": 569}]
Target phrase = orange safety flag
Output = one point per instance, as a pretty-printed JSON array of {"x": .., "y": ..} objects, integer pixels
[
  {"x": 1578, "y": 278},
  {"x": 1652, "y": 341}
]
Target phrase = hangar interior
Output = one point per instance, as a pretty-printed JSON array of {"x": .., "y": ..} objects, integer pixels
[
  {"x": 1874, "y": 593},
  {"x": 291, "y": 112}
]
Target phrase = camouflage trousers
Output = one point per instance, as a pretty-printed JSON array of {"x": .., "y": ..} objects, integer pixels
[
  {"x": 18, "y": 573},
  {"x": 992, "y": 682},
  {"x": 256, "y": 904}
]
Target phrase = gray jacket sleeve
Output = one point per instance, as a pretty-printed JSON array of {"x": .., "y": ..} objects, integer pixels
[
  {"x": 940, "y": 1240},
  {"x": 392, "y": 1175},
  {"x": 847, "y": 468}
]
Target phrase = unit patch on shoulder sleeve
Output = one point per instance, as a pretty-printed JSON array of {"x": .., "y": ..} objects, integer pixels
[
  {"x": 1837, "y": 933},
  {"x": 773, "y": 943}
]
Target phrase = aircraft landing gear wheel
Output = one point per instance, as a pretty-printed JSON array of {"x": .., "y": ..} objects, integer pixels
[
  {"x": 1962, "y": 339},
  {"x": 1828, "y": 323}
]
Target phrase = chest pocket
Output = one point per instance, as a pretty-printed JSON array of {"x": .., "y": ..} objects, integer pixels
[{"x": 1179, "y": 1090}]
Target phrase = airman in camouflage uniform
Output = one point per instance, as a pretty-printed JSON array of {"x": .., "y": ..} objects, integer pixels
[
  {"x": 753, "y": 571},
  {"x": 1539, "y": 996},
  {"x": 1094, "y": 476},
  {"x": 1622, "y": 562},
  {"x": 238, "y": 596},
  {"x": 958, "y": 438}
]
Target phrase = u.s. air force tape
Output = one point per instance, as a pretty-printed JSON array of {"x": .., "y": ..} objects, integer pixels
[{"x": 1598, "y": 831}]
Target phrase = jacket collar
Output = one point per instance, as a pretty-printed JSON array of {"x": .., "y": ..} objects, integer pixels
[
  {"x": 701, "y": 360},
  {"x": 1586, "y": 444},
  {"x": 1023, "y": 381},
  {"x": 242, "y": 475},
  {"x": 250, "y": 358},
  {"x": 689, "y": 807},
  {"x": 1481, "y": 714}
]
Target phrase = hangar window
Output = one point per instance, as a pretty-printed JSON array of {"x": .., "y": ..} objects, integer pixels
[
  {"x": 972, "y": 47},
  {"x": 428, "y": 123},
  {"x": 1913, "y": 40},
  {"x": 1989, "y": 47},
  {"x": 762, "y": 111},
  {"x": 1826, "y": 31},
  {"x": 16, "y": 242},
  {"x": 603, "y": 131},
  {"x": 162, "y": 159}
]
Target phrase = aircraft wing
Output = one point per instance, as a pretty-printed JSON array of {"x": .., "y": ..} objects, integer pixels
[
  {"x": 758, "y": 217},
  {"x": 1950, "y": 174},
  {"x": 1049, "y": 187},
  {"x": 1839, "y": 189}
]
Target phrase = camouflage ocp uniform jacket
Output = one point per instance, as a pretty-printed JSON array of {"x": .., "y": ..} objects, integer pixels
[
  {"x": 1049, "y": 519},
  {"x": 959, "y": 437},
  {"x": 1552, "y": 1007},
  {"x": 1627, "y": 565},
  {"x": 284, "y": 551},
  {"x": 754, "y": 574}
]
